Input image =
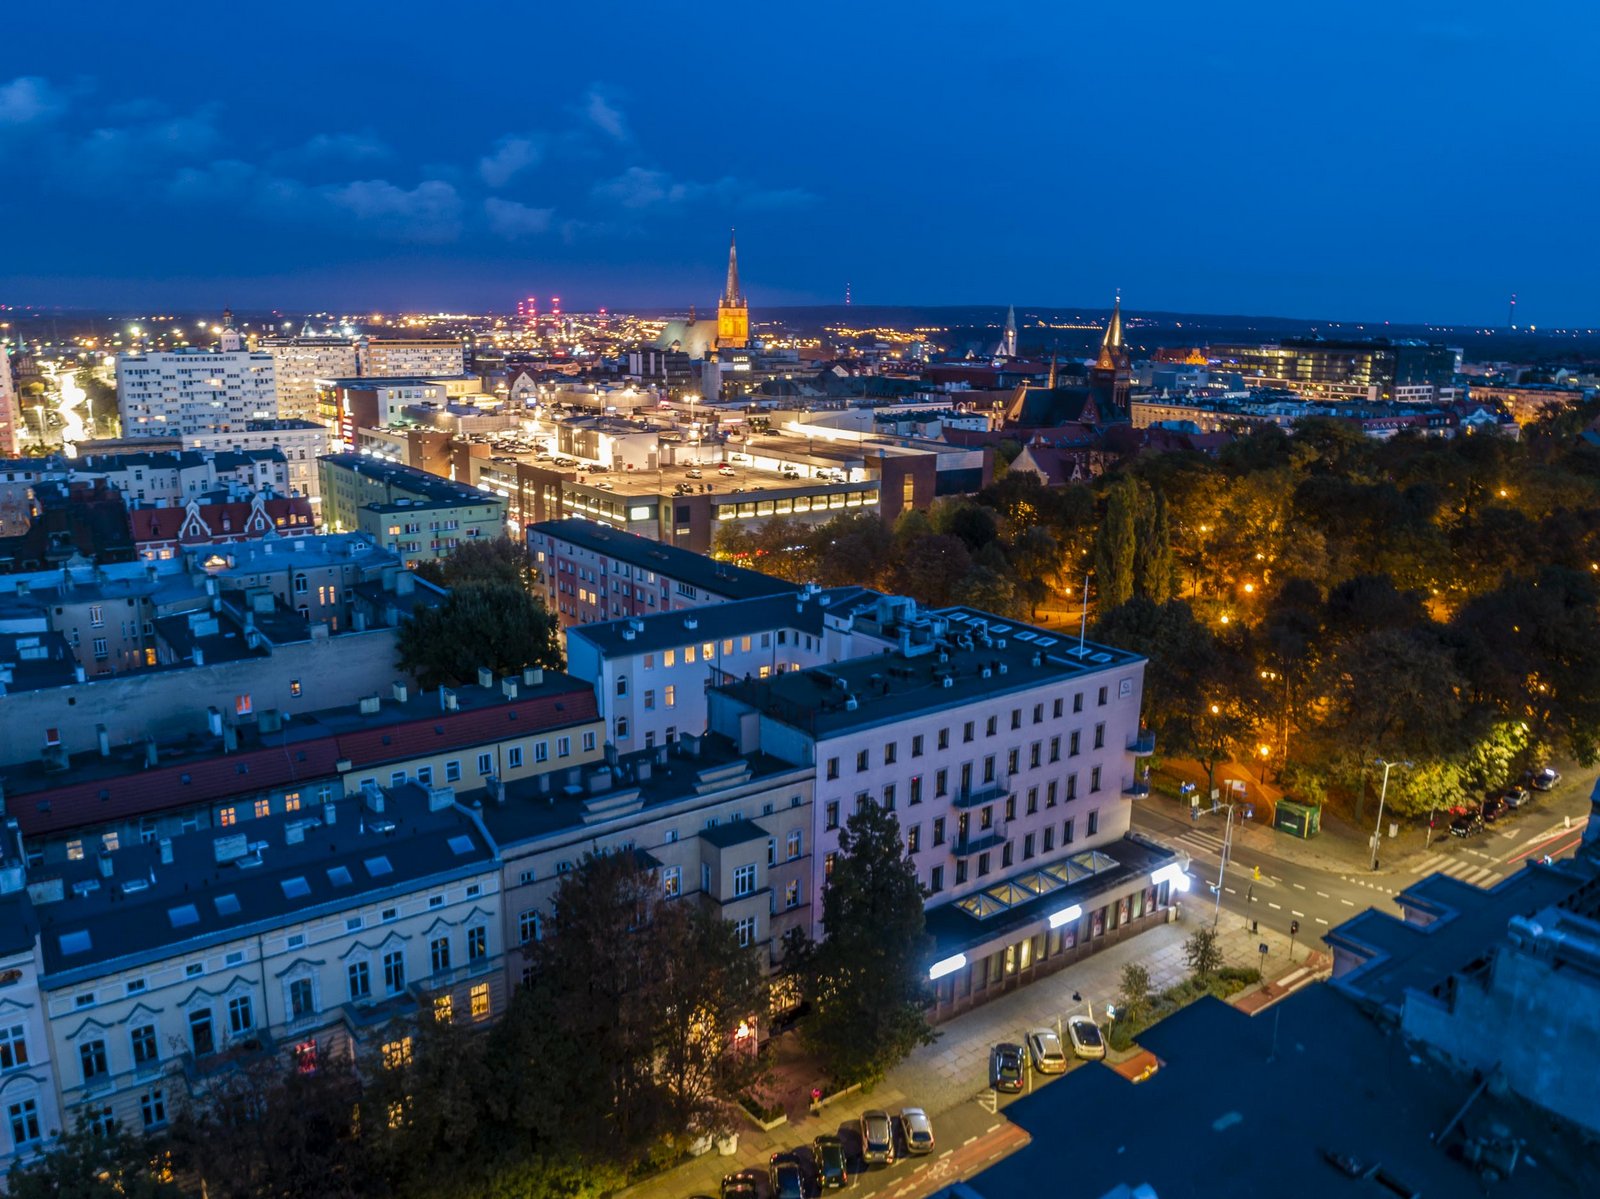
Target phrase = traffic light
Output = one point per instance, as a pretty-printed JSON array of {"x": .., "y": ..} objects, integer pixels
[{"x": 1294, "y": 928}]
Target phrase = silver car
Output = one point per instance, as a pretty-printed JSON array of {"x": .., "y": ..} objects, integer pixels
[
  {"x": 877, "y": 1139},
  {"x": 1045, "y": 1049},
  {"x": 919, "y": 1130}
]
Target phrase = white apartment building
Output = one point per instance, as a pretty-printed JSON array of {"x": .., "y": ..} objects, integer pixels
[
  {"x": 298, "y": 362},
  {"x": 29, "y": 1107},
  {"x": 167, "y": 964},
  {"x": 1009, "y": 755},
  {"x": 181, "y": 392},
  {"x": 302, "y": 443},
  {"x": 409, "y": 356},
  {"x": 10, "y": 414},
  {"x": 651, "y": 673}
]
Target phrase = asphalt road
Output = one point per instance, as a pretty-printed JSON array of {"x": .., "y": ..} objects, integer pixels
[{"x": 1275, "y": 890}]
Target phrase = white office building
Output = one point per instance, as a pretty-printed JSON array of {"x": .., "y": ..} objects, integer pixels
[
  {"x": 414, "y": 357},
  {"x": 298, "y": 362},
  {"x": 183, "y": 392}
]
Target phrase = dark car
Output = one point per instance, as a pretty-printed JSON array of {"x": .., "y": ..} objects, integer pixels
[
  {"x": 746, "y": 1184},
  {"x": 1005, "y": 1067},
  {"x": 1466, "y": 824},
  {"x": 833, "y": 1171},
  {"x": 1546, "y": 779},
  {"x": 1493, "y": 808},
  {"x": 785, "y": 1177}
]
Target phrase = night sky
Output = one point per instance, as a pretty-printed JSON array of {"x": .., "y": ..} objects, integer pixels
[{"x": 1396, "y": 160}]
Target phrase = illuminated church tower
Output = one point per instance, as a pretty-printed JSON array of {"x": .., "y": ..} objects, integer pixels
[
  {"x": 733, "y": 315},
  {"x": 1112, "y": 373}
]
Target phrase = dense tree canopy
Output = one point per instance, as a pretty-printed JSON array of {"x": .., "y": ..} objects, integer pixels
[{"x": 493, "y": 624}]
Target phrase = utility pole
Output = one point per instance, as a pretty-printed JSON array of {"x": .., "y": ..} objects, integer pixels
[
  {"x": 1383, "y": 792},
  {"x": 1222, "y": 868}
]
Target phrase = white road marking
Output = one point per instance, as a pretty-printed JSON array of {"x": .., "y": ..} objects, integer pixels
[
  {"x": 1292, "y": 912},
  {"x": 968, "y": 1141},
  {"x": 1300, "y": 886},
  {"x": 1278, "y": 907},
  {"x": 1277, "y": 878},
  {"x": 1320, "y": 920},
  {"x": 1230, "y": 891},
  {"x": 1347, "y": 903},
  {"x": 1323, "y": 895}
]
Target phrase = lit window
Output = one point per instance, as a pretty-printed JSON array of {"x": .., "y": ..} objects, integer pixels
[
  {"x": 443, "y": 1008},
  {"x": 480, "y": 1001},
  {"x": 226, "y": 817},
  {"x": 397, "y": 1053}
]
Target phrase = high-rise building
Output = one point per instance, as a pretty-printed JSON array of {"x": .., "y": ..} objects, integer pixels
[
  {"x": 10, "y": 414},
  {"x": 178, "y": 392},
  {"x": 1375, "y": 370},
  {"x": 298, "y": 362},
  {"x": 393, "y": 357},
  {"x": 733, "y": 314}
]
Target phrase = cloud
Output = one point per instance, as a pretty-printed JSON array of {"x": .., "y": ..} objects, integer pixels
[
  {"x": 642, "y": 187},
  {"x": 429, "y": 212},
  {"x": 28, "y": 100},
  {"x": 605, "y": 116},
  {"x": 511, "y": 156},
  {"x": 131, "y": 151},
  {"x": 337, "y": 147},
  {"x": 512, "y": 220}
]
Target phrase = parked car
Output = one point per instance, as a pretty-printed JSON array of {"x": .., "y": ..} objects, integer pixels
[
  {"x": 743, "y": 1185},
  {"x": 694, "y": 472},
  {"x": 919, "y": 1130},
  {"x": 1546, "y": 779},
  {"x": 1005, "y": 1067},
  {"x": 1515, "y": 797},
  {"x": 833, "y": 1171},
  {"x": 725, "y": 469},
  {"x": 785, "y": 1178},
  {"x": 1085, "y": 1037},
  {"x": 1044, "y": 1047},
  {"x": 1493, "y": 808},
  {"x": 877, "y": 1139},
  {"x": 1467, "y": 824}
]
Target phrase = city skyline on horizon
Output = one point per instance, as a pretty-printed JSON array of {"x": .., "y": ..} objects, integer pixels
[{"x": 1035, "y": 179}]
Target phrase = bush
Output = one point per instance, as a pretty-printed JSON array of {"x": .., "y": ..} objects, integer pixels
[
  {"x": 764, "y": 1112},
  {"x": 1245, "y": 976}
]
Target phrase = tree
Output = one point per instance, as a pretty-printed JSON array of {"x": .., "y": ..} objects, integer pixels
[
  {"x": 90, "y": 1164},
  {"x": 1114, "y": 546},
  {"x": 1133, "y": 994},
  {"x": 493, "y": 624},
  {"x": 867, "y": 980},
  {"x": 494, "y": 560},
  {"x": 1202, "y": 954},
  {"x": 1153, "y": 567}
]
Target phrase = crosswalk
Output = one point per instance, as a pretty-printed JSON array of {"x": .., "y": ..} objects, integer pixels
[
  {"x": 1204, "y": 842},
  {"x": 1458, "y": 868}
]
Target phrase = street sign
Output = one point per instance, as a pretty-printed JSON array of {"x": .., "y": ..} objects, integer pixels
[{"x": 1262, "y": 949}]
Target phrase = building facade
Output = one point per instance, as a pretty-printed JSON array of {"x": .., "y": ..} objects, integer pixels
[
  {"x": 416, "y": 515},
  {"x": 183, "y": 392},
  {"x": 298, "y": 362},
  {"x": 410, "y": 356},
  {"x": 301, "y": 441}
]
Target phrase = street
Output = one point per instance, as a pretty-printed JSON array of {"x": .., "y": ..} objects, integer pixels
[{"x": 1275, "y": 889}]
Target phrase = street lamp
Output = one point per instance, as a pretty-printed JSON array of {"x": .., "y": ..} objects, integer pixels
[
  {"x": 1383, "y": 792},
  {"x": 1266, "y": 752}
]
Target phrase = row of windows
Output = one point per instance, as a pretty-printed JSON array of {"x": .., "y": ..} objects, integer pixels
[
  {"x": 891, "y": 750},
  {"x": 890, "y": 795},
  {"x": 1036, "y": 757}
]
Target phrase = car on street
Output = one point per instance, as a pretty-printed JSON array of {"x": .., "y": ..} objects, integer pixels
[
  {"x": 1085, "y": 1037},
  {"x": 725, "y": 469},
  {"x": 1467, "y": 824},
  {"x": 785, "y": 1178},
  {"x": 1546, "y": 779},
  {"x": 694, "y": 472},
  {"x": 1044, "y": 1047},
  {"x": 833, "y": 1172},
  {"x": 1005, "y": 1067},
  {"x": 1515, "y": 797},
  {"x": 919, "y": 1130},
  {"x": 877, "y": 1139},
  {"x": 1493, "y": 808},
  {"x": 746, "y": 1184}
]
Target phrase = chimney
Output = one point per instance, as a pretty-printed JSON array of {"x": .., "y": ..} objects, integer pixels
[
  {"x": 496, "y": 789},
  {"x": 451, "y": 702},
  {"x": 370, "y": 704},
  {"x": 152, "y": 756},
  {"x": 400, "y": 693},
  {"x": 214, "y": 721},
  {"x": 104, "y": 862},
  {"x": 405, "y": 583},
  {"x": 230, "y": 738},
  {"x": 198, "y": 656},
  {"x": 330, "y": 813},
  {"x": 509, "y": 687},
  {"x": 166, "y": 851},
  {"x": 80, "y": 675},
  {"x": 104, "y": 738},
  {"x": 485, "y": 677},
  {"x": 533, "y": 676},
  {"x": 294, "y": 833},
  {"x": 440, "y": 798},
  {"x": 372, "y": 797}
]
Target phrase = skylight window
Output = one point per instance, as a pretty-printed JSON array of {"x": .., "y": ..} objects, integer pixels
[
  {"x": 183, "y": 915},
  {"x": 75, "y": 942},
  {"x": 227, "y": 905},
  {"x": 295, "y": 888},
  {"x": 460, "y": 844},
  {"x": 339, "y": 876},
  {"x": 379, "y": 866}
]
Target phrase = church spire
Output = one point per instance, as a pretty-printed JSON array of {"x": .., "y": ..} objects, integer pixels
[
  {"x": 1008, "y": 338},
  {"x": 1052, "y": 384},
  {"x": 730, "y": 295},
  {"x": 1111, "y": 350}
]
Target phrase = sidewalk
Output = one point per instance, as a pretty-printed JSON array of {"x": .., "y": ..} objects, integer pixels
[{"x": 954, "y": 1069}]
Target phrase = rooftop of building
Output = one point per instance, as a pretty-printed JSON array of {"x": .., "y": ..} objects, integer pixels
[
  {"x": 685, "y": 566},
  {"x": 123, "y": 908},
  {"x": 583, "y": 797},
  {"x": 946, "y": 659},
  {"x": 803, "y": 610},
  {"x": 35, "y": 660},
  {"x": 431, "y": 486},
  {"x": 1243, "y": 1105},
  {"x": 285, "y": 425},
  {"x": 379, "y": 382},
  {"x": 72, "y": 787},
  {"x": 1464, "y": 924}
]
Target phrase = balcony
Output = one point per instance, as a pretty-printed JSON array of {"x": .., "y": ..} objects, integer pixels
[
  {"x": 975, "y": 797},
  {"x": 1143, "y": 744},
  {"x": 965, "y": 847},
  {"x": 1138, "y": 789}
]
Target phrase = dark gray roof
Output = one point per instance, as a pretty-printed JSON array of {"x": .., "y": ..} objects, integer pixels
[
  {"x": 698, "y": 570},
  {"x": 716, "y": 621},
  {"x": 410, "y": 479},
  {"x": 1244, "y": 1105},
  {"x": 889, "y": 688},
  {"x": 734, "y": 832},
  {"x": 146, "y": 910}
]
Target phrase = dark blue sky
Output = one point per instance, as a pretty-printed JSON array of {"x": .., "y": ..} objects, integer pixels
[{"x": 1397, "y": 160}]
